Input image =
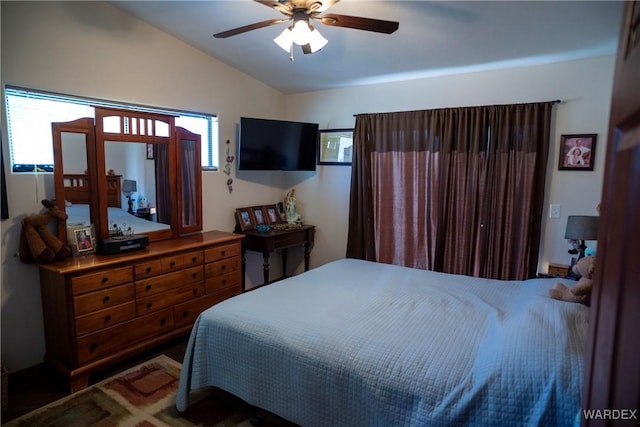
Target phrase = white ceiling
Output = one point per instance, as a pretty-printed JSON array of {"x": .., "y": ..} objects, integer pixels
[{"x": 434, "y": 38}]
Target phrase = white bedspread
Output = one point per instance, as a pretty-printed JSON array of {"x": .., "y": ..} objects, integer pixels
[
  {"x": 79, "y": 215},
  {"x": 356, "y": 343}
]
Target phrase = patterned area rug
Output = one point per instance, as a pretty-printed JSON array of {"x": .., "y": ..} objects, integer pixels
[{"x": 144, "y": 396}]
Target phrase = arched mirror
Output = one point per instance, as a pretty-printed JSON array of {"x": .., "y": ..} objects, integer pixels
[{"x": 130, "y": 172}]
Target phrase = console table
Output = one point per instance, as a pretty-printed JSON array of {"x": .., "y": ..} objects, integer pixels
[{"x": 274, "y": 240}]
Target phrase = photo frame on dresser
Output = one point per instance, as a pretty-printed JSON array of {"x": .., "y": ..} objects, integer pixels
[{"x": 81, "y": 239}]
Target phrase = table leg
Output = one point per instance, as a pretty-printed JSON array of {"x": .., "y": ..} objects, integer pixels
[
  {"x": 284, "y": 263},
  {"x": 307, "y": 251},
  {"x": 244, "y": 268},
  {"x": 266, "y": 266}
]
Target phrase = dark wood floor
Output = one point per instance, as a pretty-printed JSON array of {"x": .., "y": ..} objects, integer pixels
[{"x": 37, "y": 386}]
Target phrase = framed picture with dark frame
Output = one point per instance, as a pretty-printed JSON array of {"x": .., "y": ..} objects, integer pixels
[
  {"x": 272, "y": 214},
  {"x": 245, "y": 219},
  {"x": 259, "y": 216},
  {"x": 150, "y": 154},
  {"x": 577, "y": 152},
  {"x": 335, "y": 147}
]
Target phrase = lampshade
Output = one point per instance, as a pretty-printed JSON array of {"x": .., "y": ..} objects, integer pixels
[
  {"x": 129, "y": 186},
  {"x": 582, "y": 227}
]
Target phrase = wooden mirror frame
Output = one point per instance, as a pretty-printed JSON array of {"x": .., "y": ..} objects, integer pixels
[
  {"x": 143, "y": 131},
  {"x": 81, "y": 126}
]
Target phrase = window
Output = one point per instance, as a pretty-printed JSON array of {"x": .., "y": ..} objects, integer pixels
[{"x": 30, "y": 114}]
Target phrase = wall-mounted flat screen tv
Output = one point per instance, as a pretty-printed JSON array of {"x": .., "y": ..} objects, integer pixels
[{"x": 265, "y": 144}]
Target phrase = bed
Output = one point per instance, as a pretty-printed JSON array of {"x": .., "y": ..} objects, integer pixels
[
  {"x": 357, "y": 343},
  {"x": 76, "y": 190}
]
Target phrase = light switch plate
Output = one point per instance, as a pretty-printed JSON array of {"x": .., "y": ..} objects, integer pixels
[{"x": 554, "y": 211}]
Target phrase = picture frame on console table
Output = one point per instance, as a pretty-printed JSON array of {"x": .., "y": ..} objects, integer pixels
[
  {"x": 245, "y": 219},
  {"x": 259, "y": 215},
  {"x": 335, "y": 147},
  {"x": 272, "y": 214}
]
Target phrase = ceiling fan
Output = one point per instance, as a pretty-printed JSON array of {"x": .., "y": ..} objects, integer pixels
[{"x": 301, "y": 32}]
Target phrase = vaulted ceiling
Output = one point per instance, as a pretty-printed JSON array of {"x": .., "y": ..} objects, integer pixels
[{"x": 434, "y": 37}]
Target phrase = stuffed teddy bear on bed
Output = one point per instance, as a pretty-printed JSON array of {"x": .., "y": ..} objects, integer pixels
[
  {"x": 37, "y": 243},
  {"x": 581, "y": 292}
]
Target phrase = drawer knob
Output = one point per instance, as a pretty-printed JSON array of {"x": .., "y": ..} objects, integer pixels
[
  {"x": 163, "y": 321},
  {"x": 185, "y": 313},
  {"x": 149, "y": 304},
  {"x": 105, "y": 279},
  {"x": 93, "y": 347},
  {"x": 106, "y": 298},
  {"x": 223, "y": 267},
  {"x": 194, "y": 275},
  {"x": 224, "y": 281},
  {"x": 195, "y": 291},
  {"x": 172, "y": 263},
  {"x": 223, "y": 252},
  {"x": 148, "y": 269},
  {"x": 107, "y": 318},
  {"x": 148, "y": 288},
  {"x": 194, "y": 259}
]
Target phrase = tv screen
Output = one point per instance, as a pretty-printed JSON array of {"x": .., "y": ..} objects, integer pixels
[{"x": 276, "y": 145}]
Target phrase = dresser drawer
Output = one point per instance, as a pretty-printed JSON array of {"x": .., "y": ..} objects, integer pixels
[
  {"x": 218, "y": 268},
  {"x": 118, "y": 337},
  {"x": 168, "y": 281},
  {"x": 219, "y": 252},
  {"x": 98, "y": 300},
  {"x": 105, "y": 318},
  {"x": 178, "y": 261},
  {"x": 187, "y": 313},
  {"x": 148, "y": 268},
  {"x": 101, "y": 279},
  {"x": 215, "y": 283},
  {"x": 168, "y": 298}
]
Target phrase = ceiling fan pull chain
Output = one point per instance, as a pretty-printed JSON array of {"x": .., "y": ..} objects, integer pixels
[{"x": 291, "y": 52}]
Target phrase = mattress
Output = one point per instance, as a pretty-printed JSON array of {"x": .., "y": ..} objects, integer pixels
[
  {"x": 79, "y": 215},
  {"x": 357, "y": 343}
]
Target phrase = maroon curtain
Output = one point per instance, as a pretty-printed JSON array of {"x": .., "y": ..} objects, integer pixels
[{"x": 457, "y": 190}]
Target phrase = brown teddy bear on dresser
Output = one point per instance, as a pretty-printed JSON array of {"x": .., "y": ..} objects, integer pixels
[
  {"x": 581, "y": 292},
  {"x": 37, "y": 243}
]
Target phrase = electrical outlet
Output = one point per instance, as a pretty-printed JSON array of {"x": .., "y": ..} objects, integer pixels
[{"x": 554, "y": 211}]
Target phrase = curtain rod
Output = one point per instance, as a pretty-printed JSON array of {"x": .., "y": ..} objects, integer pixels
[{"x": 554, "y": 102}]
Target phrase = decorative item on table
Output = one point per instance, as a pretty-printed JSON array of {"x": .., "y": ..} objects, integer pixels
[
  {"x": 263, "y": 228},
  {"x": 129, "y": 186},
  {"x": 291, "y": 214},
  {"x": 579, "y": 229}
]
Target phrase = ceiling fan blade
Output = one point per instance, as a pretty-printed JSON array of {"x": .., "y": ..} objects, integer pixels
[
  {"x": 359, "y": 23},
  {"x": 244, "y": 29}
]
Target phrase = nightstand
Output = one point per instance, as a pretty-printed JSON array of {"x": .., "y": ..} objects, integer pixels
[{"x": 144, "y": 213}]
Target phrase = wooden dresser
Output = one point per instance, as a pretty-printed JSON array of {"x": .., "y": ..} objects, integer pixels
[{"x": 100, "y": 309}]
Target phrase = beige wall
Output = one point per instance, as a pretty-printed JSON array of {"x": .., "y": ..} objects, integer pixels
[{"x": 93, "y": 49}]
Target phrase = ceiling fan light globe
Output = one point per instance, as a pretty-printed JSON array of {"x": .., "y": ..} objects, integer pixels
[
  {"x": 316, "y": 41},
  {"x": 285, "y": 40},
  {"x": 301, "y": 32}
]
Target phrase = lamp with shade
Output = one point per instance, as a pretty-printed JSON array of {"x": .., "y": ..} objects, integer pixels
[
  {"x": 581, "y": 228},
  {"x": 129, "y": 186}
]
